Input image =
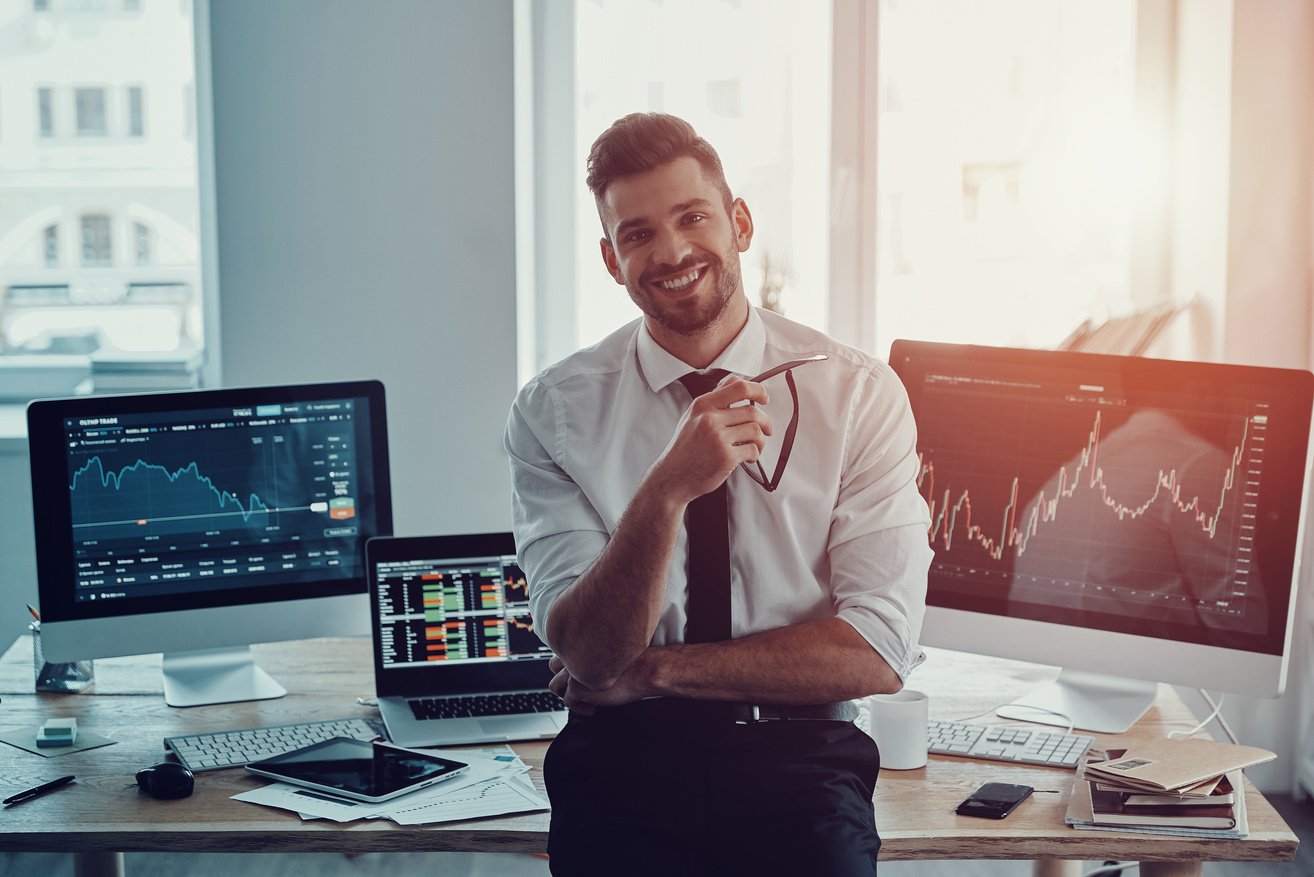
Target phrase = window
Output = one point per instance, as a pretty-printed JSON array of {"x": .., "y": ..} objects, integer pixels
[
  {"x": 136, "y": 111},
  {"x": 97, "y": 250},
  {"x": 1007, "y": 169},
  {"x": 141, "y": 235},
  {"x": 50, "y": 246},
  {"x": 752, "y": 96},
  {"x": 45, "y": 112},
  {"x": 89, "y": 112}
]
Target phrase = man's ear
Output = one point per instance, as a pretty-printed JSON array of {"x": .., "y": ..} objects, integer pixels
[
  {"x": 609, "y": 259},
  {"x": 742, "y": 221}
]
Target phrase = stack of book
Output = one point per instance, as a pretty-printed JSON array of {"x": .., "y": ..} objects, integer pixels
[{"x": 1184, "y": 787}]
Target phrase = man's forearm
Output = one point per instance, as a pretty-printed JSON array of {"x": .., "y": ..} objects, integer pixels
[
  {"x": 813, "y": 662},
  {"x": 608, "y": 616}
]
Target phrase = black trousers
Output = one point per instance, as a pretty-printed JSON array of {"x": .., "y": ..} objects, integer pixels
[{"x": 715, "y": 799}]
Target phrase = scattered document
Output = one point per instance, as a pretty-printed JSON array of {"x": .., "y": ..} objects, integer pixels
[{"x": 495, "y": 784}]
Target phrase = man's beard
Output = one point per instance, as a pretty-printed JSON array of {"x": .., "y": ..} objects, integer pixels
[{"x": 680, "y": 317}]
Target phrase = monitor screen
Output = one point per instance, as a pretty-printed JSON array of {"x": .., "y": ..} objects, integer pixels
[
  {"x": 178, "y": 501},
  {"x": 1118, "y": 495}
]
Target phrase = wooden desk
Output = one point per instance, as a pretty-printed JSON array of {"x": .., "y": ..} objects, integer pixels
[{"x": 103, "y": 814}]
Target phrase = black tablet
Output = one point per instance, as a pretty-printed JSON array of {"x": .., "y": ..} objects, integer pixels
[{"x": 358, "y": 770}]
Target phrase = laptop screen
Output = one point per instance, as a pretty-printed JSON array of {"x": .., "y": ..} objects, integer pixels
[
  {"x": 454, "y": 610},
  {"x": 451, "y": 616}
]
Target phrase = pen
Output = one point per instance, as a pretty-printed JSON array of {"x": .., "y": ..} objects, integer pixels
[
  {"x": 35, "y": 614},
  {"x": 28, "y": 794}
]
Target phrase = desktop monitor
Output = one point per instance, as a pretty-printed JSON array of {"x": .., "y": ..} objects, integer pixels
[
  {"x": 197, "y": 523},
  {"x": 1132, "y": 520}
]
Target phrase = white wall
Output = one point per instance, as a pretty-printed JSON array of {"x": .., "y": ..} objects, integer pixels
[{"x": 364, "y": 193}]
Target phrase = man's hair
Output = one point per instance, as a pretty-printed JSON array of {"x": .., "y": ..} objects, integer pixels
[{"x": 640, "y": 142}]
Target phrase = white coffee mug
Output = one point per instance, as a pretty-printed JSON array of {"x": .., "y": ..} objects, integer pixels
[{"x": 898, "y": 725}]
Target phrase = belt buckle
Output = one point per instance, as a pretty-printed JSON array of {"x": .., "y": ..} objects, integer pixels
[{"x": 755, "y": 716}]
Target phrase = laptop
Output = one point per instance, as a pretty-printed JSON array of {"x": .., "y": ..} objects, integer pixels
[{"x": 456, "y": 659}]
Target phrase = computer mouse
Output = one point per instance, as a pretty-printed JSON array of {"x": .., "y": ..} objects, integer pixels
[{"x": 167, "y": 780}]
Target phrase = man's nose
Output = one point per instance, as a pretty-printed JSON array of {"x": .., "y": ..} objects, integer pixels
[{"x": 672, "y": 248}]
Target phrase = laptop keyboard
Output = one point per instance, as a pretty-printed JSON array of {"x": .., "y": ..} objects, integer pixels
[{"x": 461, "y": 706}]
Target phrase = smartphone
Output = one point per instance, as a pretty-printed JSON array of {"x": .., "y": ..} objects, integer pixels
[
  {"x": 370, "y": 772},
  {"x": 994, "y": 800}
]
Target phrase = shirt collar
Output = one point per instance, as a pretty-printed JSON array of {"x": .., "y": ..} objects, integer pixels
[{"x": 743, "y": 357}]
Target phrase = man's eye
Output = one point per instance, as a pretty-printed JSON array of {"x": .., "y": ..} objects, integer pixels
[
  {"x": 635, "y": 237},
  {"x": 694, "y": 218}
]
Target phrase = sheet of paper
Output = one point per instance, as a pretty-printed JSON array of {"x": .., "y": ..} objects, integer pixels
[
  {"x": 493, "y": 798},
  {"x": 307, "y": 802}
]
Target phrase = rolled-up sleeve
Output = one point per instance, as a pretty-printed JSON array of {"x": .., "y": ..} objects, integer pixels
[
  {"x": 879, "y": 552},
  {"x": 558, "y": 532}
]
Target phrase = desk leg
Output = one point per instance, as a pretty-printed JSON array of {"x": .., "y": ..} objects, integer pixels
[
  {"x": 98, "y": 864},
  {"x": 1171, "y": 869},
  {"x": 1055, "y": 868}
]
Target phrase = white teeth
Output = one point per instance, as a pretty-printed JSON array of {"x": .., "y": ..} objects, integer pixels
[{"x": 680, "y": 282}]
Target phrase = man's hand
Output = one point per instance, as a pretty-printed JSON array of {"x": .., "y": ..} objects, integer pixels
[
  {"x": 584, "y": 700},
  {"x": 716, "y": 434}
]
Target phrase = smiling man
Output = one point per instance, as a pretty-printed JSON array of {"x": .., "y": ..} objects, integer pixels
[{"x": 721, "y": 565}]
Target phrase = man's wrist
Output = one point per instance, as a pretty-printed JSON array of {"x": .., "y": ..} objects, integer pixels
[
  {"x": 661, "y": 495},
  {"x": 650, "y": 672}
]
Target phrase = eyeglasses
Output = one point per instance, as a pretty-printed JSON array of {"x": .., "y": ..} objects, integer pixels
[{"x": 787, "y": 444}]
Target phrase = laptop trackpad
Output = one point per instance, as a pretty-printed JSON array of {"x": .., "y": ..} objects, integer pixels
[{"x": 514, "y": 725}]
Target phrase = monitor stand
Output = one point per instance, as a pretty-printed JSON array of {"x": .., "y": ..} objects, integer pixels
[
  {"x": 209, "y": 676},
  {"x": 1091, "y": 701}
]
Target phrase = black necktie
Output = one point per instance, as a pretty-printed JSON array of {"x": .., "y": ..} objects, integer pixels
[{"x": 708, "y": 606}]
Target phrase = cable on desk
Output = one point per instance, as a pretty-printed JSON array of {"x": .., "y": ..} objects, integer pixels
[
  {"x": 1110, "y": 868},
  {"x": 1216, "y": 714}
]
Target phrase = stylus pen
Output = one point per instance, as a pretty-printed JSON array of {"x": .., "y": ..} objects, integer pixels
[{"x": 28, "y": 794}]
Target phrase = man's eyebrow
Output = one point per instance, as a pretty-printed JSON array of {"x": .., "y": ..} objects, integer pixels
[{"x": 676, "y": 209}]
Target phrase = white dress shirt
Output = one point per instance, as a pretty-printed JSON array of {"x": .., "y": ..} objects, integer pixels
[{"x": 845, "y": 535}]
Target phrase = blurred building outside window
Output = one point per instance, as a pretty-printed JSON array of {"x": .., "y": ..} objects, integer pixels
[{"x": 89, "y": 162}]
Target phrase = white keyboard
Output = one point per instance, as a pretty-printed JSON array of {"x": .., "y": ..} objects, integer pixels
[
  {"x": 216, "y": 751},
  {"x": 1020, "y": 745}
]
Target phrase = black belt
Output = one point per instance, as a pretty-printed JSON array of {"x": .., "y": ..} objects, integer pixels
[{"x": 674, "y": 709}]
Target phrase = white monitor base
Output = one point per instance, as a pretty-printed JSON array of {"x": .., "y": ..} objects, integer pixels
[
  {"x": 209, "y": 676},
  {"x": 1091, "y": 701}
]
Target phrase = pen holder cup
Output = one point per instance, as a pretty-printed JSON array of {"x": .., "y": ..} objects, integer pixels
[{"x": 73, "y": 676}]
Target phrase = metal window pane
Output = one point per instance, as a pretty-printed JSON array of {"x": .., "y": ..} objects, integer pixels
[
  {"x": 89, "y": 112},
  {"x": 136, "y": 111},
  {"x": 97, "y": 247},
  {"x": 50, "y": 246},
  {"x": 142, "y": 239},
  {"x": 45, "y": 112}
]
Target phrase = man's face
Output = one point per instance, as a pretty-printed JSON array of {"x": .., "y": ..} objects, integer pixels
[{"x": 672, "y": 244}]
